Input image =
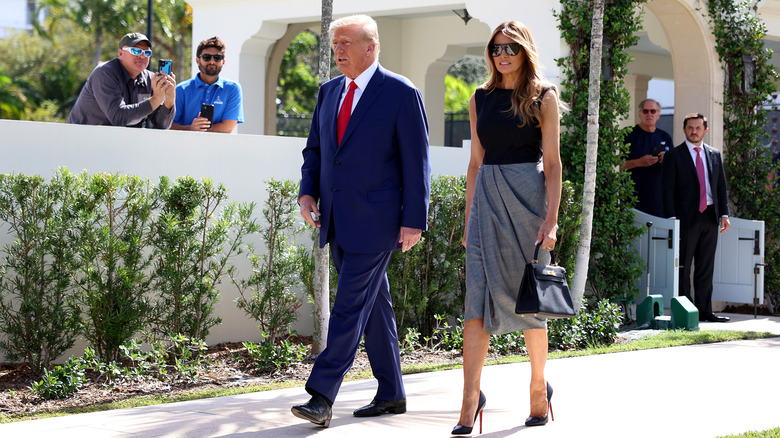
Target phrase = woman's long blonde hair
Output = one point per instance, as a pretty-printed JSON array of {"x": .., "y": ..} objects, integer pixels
[{"x": 528, "y": 89}]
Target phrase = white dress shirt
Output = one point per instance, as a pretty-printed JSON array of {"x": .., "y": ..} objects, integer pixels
[
  {"x": 361, "y": 81},
  {"x": 706, "y": 169}
]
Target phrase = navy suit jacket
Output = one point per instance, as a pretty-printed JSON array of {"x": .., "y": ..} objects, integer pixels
[
  {"x": 378, "y": 179},
  {"x": 681, "y": 184}
]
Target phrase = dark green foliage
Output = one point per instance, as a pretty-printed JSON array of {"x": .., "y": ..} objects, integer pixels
[
  {"x": 298, "y": 79},
  {"x": 429, "y": 279},
  {"x": 595, "y": 325},
  {"x": 62, "y": 84},
  {"x": 267, "y": 295},
  {"x": 115, "y": 222},
  {"x": 269, "y": 356},
  {"x": 614, "y": 264},
  {"x": 38, "y": 317},
  {"x": 13, "y": 100},
  {"x": 739, "y": 31},
  {"x": 193, "y": 245},
  {"x": 182, "y": 359},
  {"x": 187, "y": 356},
  {"x": 62, "y": 381},
  {"x": 569, "y": 219}
]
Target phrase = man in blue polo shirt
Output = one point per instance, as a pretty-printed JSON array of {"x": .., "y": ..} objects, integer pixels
[{"x": 207, "y": 87}]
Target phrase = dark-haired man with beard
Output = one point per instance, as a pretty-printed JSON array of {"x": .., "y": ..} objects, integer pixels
[{"x": 208, "y": 88}]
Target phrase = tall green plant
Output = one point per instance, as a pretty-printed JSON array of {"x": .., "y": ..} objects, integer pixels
[
  {"x": 569, "y": 219},
  {"x": 267, "y": 295},
  {"x": 429, "y": 279},
  {"x": 614, "y": 265},
  {"x": 193, "y": 245},
  {"x": 38, "y": 316},
  {"x": 116, "y": 215},
  {"x": 739, "y": 32}
]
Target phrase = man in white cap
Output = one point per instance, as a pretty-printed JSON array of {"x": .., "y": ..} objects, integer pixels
[{"x": 122, "y": 92}]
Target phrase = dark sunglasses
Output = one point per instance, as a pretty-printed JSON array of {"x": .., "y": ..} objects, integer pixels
[
  {"x": 649, "y": 111},
  {"x": 511, "y": 49},
  {"x": 137, "y": 51},
  {"x": 206, "y": 57}
]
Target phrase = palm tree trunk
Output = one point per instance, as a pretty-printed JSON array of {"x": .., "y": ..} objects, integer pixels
[
  {"x": 321, "y": 259},
  {"x": 589, "y": 190}
]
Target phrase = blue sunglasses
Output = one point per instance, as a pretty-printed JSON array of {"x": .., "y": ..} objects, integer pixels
[{"x": 137, "y": 52}]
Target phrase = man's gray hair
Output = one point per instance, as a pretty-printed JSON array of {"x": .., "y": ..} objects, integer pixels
[
  {"x": 366, "y": 23},
  {"x": 642, "y": 103}
]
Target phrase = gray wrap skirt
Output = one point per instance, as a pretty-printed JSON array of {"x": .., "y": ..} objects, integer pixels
[{"x": 508, "y": 206}]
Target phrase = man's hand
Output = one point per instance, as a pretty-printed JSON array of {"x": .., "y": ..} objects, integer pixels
[
  {"x": 309, "y": 206},
  {"x": 724, "y": 224},
  {"x": 409, "y": 237},
  {"x": 200, "y": 124},
  {"x": 643, "y": 161},
  {"x": 170, "y": 89},
  {"x": 648, "y": 160},
  {"x": 163, "y": 90}
]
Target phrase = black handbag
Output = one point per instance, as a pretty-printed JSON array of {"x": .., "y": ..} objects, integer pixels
[{"x": 544, "y": 292}]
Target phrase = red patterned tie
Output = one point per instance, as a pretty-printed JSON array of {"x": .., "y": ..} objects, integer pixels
[
  {"x": 702, "y": 183},
  {"x": 346, "y": 110}
]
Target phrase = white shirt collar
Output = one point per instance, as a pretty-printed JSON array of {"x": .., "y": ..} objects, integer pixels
[
  {"x": 691, "y": 146},
  {"x": 363, "y": 78}
]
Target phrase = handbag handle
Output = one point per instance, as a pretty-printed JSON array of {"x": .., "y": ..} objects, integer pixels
[{"x": 536, "y": 255}]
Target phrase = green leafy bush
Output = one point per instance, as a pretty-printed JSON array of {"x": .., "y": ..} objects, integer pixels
[
  {"x": 429, "y": 279},
  {"x": 273, "y": 356},
  {"x": 193, "y": 244},
  {"x": 38, "y": 316},
  {"x": 267, "y": 295},
  {"x": 596, "y": 324},
  {"x": 114, "y": 261},
  {"x": 62, "y": 381}
]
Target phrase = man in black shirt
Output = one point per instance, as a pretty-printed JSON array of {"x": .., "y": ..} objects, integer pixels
[{"x": 648, "y": 145}]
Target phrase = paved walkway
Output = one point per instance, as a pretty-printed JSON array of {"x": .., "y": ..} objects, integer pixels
[{"x": 697, "y": 391}]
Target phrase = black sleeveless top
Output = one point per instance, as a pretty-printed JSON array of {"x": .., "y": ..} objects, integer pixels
[{"x": 499, "y": 131}]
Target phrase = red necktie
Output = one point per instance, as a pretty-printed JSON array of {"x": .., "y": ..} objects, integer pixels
[
  {"x": 702, "y": 183},
  {"x": 346, "y": 110}
]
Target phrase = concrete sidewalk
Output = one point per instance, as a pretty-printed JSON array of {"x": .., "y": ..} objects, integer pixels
[{"x": 697, "y": 391}]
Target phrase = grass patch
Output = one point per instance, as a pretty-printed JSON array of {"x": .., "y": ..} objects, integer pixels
[{"x": 670, "y": 338}]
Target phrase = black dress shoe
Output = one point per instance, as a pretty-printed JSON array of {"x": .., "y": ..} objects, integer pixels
[
  {"x": 317, "y": 410},
  {"x": 715, "y": 318},
  {"x": 379, "y": 407}
]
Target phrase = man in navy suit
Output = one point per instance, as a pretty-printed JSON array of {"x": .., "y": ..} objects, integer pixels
[
  {"x": 694, "y": 190},
  {"x": 366, "y": 161}
]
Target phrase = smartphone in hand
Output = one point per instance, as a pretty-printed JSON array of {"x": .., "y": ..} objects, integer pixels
[
  {"x": 207, "y": 111},
  {"x": 166, "y": 66}
]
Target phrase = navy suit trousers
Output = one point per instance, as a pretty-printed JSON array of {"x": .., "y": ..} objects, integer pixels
[{"x": 362, "y": 306}]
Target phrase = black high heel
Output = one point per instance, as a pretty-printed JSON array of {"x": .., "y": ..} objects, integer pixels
[
  {"x": 541, "y": 421},
  {"x": 463, "y": 430}
]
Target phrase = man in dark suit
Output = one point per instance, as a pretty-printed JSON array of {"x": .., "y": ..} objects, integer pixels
[
  {"x": 370, "y": 171},
  {"x": 694, "y": 190}
]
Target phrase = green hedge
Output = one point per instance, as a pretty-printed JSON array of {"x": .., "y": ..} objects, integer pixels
[{"x": 108, "y": 256}]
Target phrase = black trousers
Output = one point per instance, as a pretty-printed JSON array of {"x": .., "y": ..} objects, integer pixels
[{"x": 697, "y": 246}]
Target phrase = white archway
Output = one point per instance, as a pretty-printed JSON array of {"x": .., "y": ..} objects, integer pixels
[{"x": 698, "y": 75}]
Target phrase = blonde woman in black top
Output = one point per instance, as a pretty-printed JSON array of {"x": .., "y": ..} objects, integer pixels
[{"x": 513, "y": 192}]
